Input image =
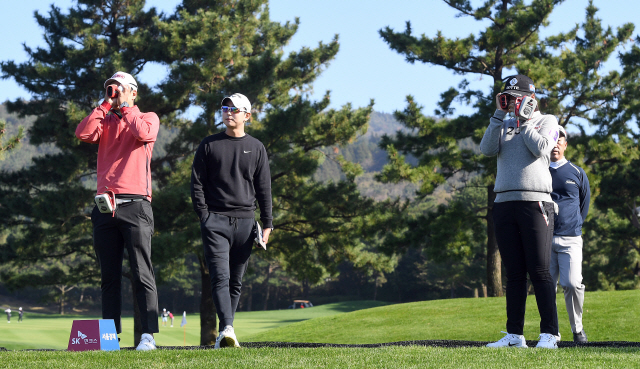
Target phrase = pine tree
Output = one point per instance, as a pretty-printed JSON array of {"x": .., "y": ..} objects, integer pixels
[
  {"x": 11, "y": 143},
  {"x": 569, "y": 84},
  {"x": 216, "y": 48},
  {"x": 48, "y": 204},
  {"x": 513, "y": 28},
  {"x": 569, "y": 68}
]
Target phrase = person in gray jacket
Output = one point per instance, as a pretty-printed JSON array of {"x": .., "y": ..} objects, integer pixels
[{"x": 523, "y": 212}]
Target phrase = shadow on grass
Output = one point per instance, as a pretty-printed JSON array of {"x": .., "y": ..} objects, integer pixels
[{"x": 345, "y": 307}]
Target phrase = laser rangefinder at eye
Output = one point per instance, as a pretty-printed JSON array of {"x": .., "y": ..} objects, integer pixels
[
  {"x": 504, "y": 101},
  {"x": 114, "y": 90}
]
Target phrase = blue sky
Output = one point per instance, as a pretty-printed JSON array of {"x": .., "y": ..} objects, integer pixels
[{"x": 365, "y": 67}]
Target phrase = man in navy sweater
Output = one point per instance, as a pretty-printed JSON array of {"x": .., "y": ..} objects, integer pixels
[
  {"x": 230, "y": 172},
  {"x": 572, "y": 194}
]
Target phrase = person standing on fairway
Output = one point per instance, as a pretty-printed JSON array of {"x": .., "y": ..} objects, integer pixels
[
  {"x": 8, "y": 311},
  {"x": 125, "y": 138},
  {"x": 230, "y": 172},
  {"x": 164, "y": 315},
  {"x": 523, "y": 211},
  {"x": 20, "y": 313},
  {"x": 572, "y": 193}
]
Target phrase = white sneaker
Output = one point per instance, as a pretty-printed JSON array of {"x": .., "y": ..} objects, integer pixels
[
  {"x": 147, "y": 343},
  {"x": 547, "y": 340},
  {"x": 226, "y": 338},
  {"x": 510, "y": 340}
]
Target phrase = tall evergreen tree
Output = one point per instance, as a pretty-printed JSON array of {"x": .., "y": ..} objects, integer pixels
[
  {"x": 513, "y": 28},
  {"x": 9, "y": 143},
  {"x": 48, "y": 204},
  {"x": 215, "y": 48},
  {"x": 567, "y": 70},
  {"x": 575, "y": 87}
]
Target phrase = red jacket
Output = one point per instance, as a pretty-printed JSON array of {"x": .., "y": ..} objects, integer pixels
[{"x": 125, "y": 148}]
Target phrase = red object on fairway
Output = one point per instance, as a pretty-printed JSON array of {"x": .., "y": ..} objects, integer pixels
[{"x": 93, "y": 335}]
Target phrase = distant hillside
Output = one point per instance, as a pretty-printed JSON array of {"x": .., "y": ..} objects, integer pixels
[
  {"x": 365, "y": 151},
  {"x": 23, "y": 156}
]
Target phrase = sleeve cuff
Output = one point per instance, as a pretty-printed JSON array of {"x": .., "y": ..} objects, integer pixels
[
  {"x": 105, "y": 105},
  {"x": 267, "y": 223},
  {"x": 500, "y": 114}
]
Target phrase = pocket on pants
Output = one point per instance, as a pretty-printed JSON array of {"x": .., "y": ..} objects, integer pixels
[
  {"x": 204, "y": 221},
  {"x": 146, "y": 213}
]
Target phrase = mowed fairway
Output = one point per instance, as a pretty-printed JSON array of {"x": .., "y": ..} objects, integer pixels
[
  {"x": 41, "y": 331},
  {"x": 608, "y": 316},
  {"x": 386, "y": 357}
]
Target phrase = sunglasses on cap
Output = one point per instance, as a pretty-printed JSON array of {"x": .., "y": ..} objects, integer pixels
[{"x": 230, "y": 109}]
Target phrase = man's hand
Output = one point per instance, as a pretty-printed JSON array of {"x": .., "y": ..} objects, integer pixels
[
  {"x": 124, "y": 95},
  {"x": 265, "y": 235}
]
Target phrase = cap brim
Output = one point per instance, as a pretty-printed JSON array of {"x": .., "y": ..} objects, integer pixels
[
  {"x": 235, "y": 103},
  {"x": 516, "y": 93},
  {"x": 107, "y": 82}
]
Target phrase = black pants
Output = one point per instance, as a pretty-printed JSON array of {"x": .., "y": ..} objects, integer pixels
[
  {"x": 227, "y": 245},
  {"x": 524, "y": 230},
  {"x": 132, "y": 227}
]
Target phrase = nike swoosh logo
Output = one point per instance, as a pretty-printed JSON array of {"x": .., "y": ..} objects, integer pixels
[
  {"x": 246, "y": 151},
  {"x": 511, "y": 344}
]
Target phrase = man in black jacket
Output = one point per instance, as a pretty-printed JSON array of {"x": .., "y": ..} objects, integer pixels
[{"x": 230, "y": 172}]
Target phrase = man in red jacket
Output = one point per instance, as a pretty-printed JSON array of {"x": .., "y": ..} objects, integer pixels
[{"x": 125, "y": 137}]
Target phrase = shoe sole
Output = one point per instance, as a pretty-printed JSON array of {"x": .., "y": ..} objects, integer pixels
[{"x": 229, "y": 342}]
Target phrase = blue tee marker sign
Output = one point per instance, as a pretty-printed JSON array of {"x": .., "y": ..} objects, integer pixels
[{"x": 93, "y": 335}]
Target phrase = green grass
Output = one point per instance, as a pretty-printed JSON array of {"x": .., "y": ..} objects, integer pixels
[
  {"x": 39, "y": 331},
  {"x": 387, "y": 357},
  {"x": 608, "y": 316}
]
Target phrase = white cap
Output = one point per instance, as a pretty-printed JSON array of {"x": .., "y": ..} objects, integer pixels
[
  {"x": 124, "y": 79},
  {"x": 239, "y": 101},
  {"x": 563, "y": 132},
  {"x": 20, "y": 308}
]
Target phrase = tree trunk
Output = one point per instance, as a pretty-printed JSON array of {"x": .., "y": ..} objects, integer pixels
[
  {"x": 266, "y": 286},
  {"x": 137, "y": 319},
  {"x": 276, "y": 297},
  {"x": 305, "y": 289},
  {"x": 62, "y": 291},
  {"x": 375, "y": 289},
  {"x": 208, "y": 329},
  {"x": 250, "y": 297},
  {"x": 494, "y": 269}
]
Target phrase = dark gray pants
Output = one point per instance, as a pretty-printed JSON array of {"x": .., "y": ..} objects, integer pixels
[
  {"x": 132, "y": 227},
  {"x": 227, "y": 245}
]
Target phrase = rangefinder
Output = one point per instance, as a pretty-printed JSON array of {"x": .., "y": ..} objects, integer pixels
[
  {"x": 504, "y": 101},
  {"x": 113, "y": 90}
]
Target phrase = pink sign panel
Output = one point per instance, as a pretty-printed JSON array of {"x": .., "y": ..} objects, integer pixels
[{"x": 85, "y": 335}]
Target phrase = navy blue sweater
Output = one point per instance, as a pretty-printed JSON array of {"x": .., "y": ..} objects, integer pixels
[{"x": 572, "y": 194}]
